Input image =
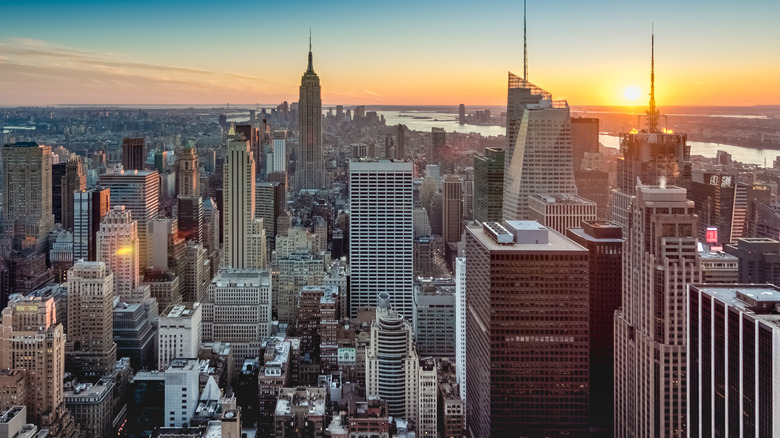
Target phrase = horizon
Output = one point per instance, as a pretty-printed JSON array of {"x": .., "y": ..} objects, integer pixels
[{"x": 404, "y": 54}]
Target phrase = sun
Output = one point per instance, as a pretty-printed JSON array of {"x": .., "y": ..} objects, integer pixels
[{"x": 632, "y": 93}]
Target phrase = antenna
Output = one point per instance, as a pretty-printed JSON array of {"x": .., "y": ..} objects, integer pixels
[
  {"x": 310, "y": 39},
  {"x": 525, "y": 45},
  {"x": 652, "y": 114}
]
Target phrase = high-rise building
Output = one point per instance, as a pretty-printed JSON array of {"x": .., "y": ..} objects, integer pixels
[
  {"x": 659, "y": 259},
  {"x": 117, "y": 246},
  {"x": 135, "y": 334},
  {"x": 434, "y": 317},
  {"x": 32, "y": 340},
  {"x": 57, "y": 173},
  {"x": 393, "y": 371},
  {"x": 180, "y": 333},
  {"x": 721, "y": 202},
  {"x": 759, "y": 259},
  {"x": 400, "y": 142},
  {"x": 197, "y": 272},
  {"x": 188, "y": 168},
  {"x": 27, "y": 207},
  {"x": 90, "y": 349},
  {"x": 489, "y": 185},
  {"x": 526, "y": 327},
  {"x": 584, "y": 138},
  {"x": 309, "y": 168},
  {"x": 560, "y": 212},
  {"x": 269, "y": 204},
  {"x": 452, "y": 208},
  {"x": 280, "y": 152},
  {"x": 462, "y": 114},
  {"x": 89, "y": 207},
  {"x": 190, "y": 218},
  {"x": 92, "y": 406},
  {"x": 732, "y": 360},
  {"x": 139, "y": 192},
  {"x": 238, "y": 311},
  {"x": 438, "y": 143},
  {"x": 241, "y": 230},
  {"x": 538, "y": 128},
  {"x": 604, "y": 242},
  {"x": 133, "y": 153},
  {"x": 181, "y": 391},
  {"x": 381, "y": 233},
  {"x": 74, "y": 180},
  {"x": 651, "y": 156}
]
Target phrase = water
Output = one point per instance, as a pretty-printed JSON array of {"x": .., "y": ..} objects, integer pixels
[
  {"x": 446, "y": 121},
  {"x": 709, "y": 150}
]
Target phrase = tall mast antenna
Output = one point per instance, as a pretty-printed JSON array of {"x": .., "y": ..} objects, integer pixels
[
  {"x": 652, "y": 116},
  {"x": 525, "y": 44}
]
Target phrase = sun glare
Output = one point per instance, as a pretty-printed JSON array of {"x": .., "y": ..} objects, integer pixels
[{"x": 632, "y": 93}]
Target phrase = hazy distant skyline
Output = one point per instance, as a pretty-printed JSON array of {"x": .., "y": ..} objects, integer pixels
[{"x": 404, "y": 53}]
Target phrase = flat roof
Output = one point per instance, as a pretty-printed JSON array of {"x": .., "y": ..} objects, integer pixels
[{"x": 556, "y": 242}]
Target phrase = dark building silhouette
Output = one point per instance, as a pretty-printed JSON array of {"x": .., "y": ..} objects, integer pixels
[
  {"x": 133, "y": 153},
  {"x": 584, "y": 138},
  {"x": 489, "y": 185}
]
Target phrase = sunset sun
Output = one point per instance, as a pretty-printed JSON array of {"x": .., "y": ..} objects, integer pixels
[{"x": 632, "y": 93}]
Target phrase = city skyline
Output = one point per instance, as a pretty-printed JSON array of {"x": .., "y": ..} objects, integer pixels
[{"x": 80, "y": 54}]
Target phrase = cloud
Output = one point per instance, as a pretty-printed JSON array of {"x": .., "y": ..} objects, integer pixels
[
  {"x": 372, "y": 93},
  {"x": 40, "y": 72}
]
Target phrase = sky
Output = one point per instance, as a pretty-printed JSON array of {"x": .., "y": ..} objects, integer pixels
[{"x": 708, "y": 52}]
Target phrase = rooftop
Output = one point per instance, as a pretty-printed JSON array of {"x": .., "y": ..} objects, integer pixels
[
  {"x": 561, "y": 198},
  {"x": 555, "y": 241},
  {"x": 762, "y": 301},
  {"x": 183, "y": 310}
]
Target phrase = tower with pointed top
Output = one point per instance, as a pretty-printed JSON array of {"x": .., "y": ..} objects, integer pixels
[
  {"x": 309, "y": 169},
  {"x": 652, "y": 155}
]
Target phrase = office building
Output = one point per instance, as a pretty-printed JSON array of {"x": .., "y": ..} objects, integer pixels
[
  {"x": 560, "y": 211},
  {"x": 489, "y": 185},
  {"x": 270, "y": 203},
  {"x": 434, "y": 317},
  {"x": 118, "y": 247},
  {"x": 189, "y": 171},
  {"x": 135, "y": 334},
  {"x": 27, "y": 207},
  {"x": 759, "y": 259},
  {"x": 462, "y": 114},
  {"x": 660, "y": 258},
  {"x": 526, "y": 325},
  {"x": 139, "y": 192},
  {"x": 438, "y": 143},
  {"x": 584, "y": 138},
  {"x": 89, "y": 208},
  {"x": 181, "y": 391},
  {"x": 300, "y": 412},
  {"x": 133, "y": 153},
  {"x": 719, "y": 267},
  {"x": 452, "y": 208},
  {"x": 12, "y": 389},
  {"x": 279, "y": 163},
  {"x": 13, "y": 424},
  {"x": 91, "y": 405},
  {"x": 732, "y": 360},
  {"x": 651, "y": 156},
  {"x": 238, "y": 311},
  {"x": 190, "y": 218},
  {"x": 198, "y": 271},
  {"x": 74, "y": 180},
  {"x": 90, "y": 349},
  {"x": 721, "y": 203},
  {"x": 179, "y": 333},
  {"x": 460, "y": 325},
  {"x": 309, "y": 168},
  {"x": 32, "y": 340},
  {"x": 400, "y": 143},
  {"x": 164, "y": 286},
  {"x": 539, "y": 129},
  {"x": 396, "y": 380},
  {"x": 381, "y": 233},
  {"x": 242, "y": 233},
  {"x": 604, "y": 242}
]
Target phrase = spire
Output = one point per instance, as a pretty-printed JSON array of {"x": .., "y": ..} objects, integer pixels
[
  {"x": 652, "y": 112},
  {"x": 311, "y": 66},
  {"x": 525, "y": 45}
]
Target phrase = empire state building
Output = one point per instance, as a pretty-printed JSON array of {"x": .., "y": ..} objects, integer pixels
[{"x": 309, "y": 169}]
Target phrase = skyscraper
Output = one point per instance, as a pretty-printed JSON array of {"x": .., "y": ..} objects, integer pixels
[
  {"x": 538, "y": 151},
  {"x": 90, "y": 349},
  {"x": 89, "y": 207},
  {"x": 309, "y": 169},
  {"x": 27, "y": 207},
  {"x": 604, "y": 241},
  {"x": 73, "y": 180},
  {"x": 400, "y": 143},
  {"x": 139, "y": 192},
  {"x": 133, "y": 153},
  {"x": 438, "y": 142},
  {"x": 188, "y": 165},
  {"x": 279, "y": 163},
  {"x": 526, "y": 331},
  {"x": 381, "y": 233},
  {"x": 241, "y": 228},
  {"x": 659, "y": 259},
  {"x": 462, "y": 114},
  {"x": 732, "y": 360},
  {"x": 190, "y": 215},
  {"x": 452, "y": 208},
  {"x": 489, "y": 185},
  {"x": 651, "y": 156},
  {"x": 117, "y": 247}
]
